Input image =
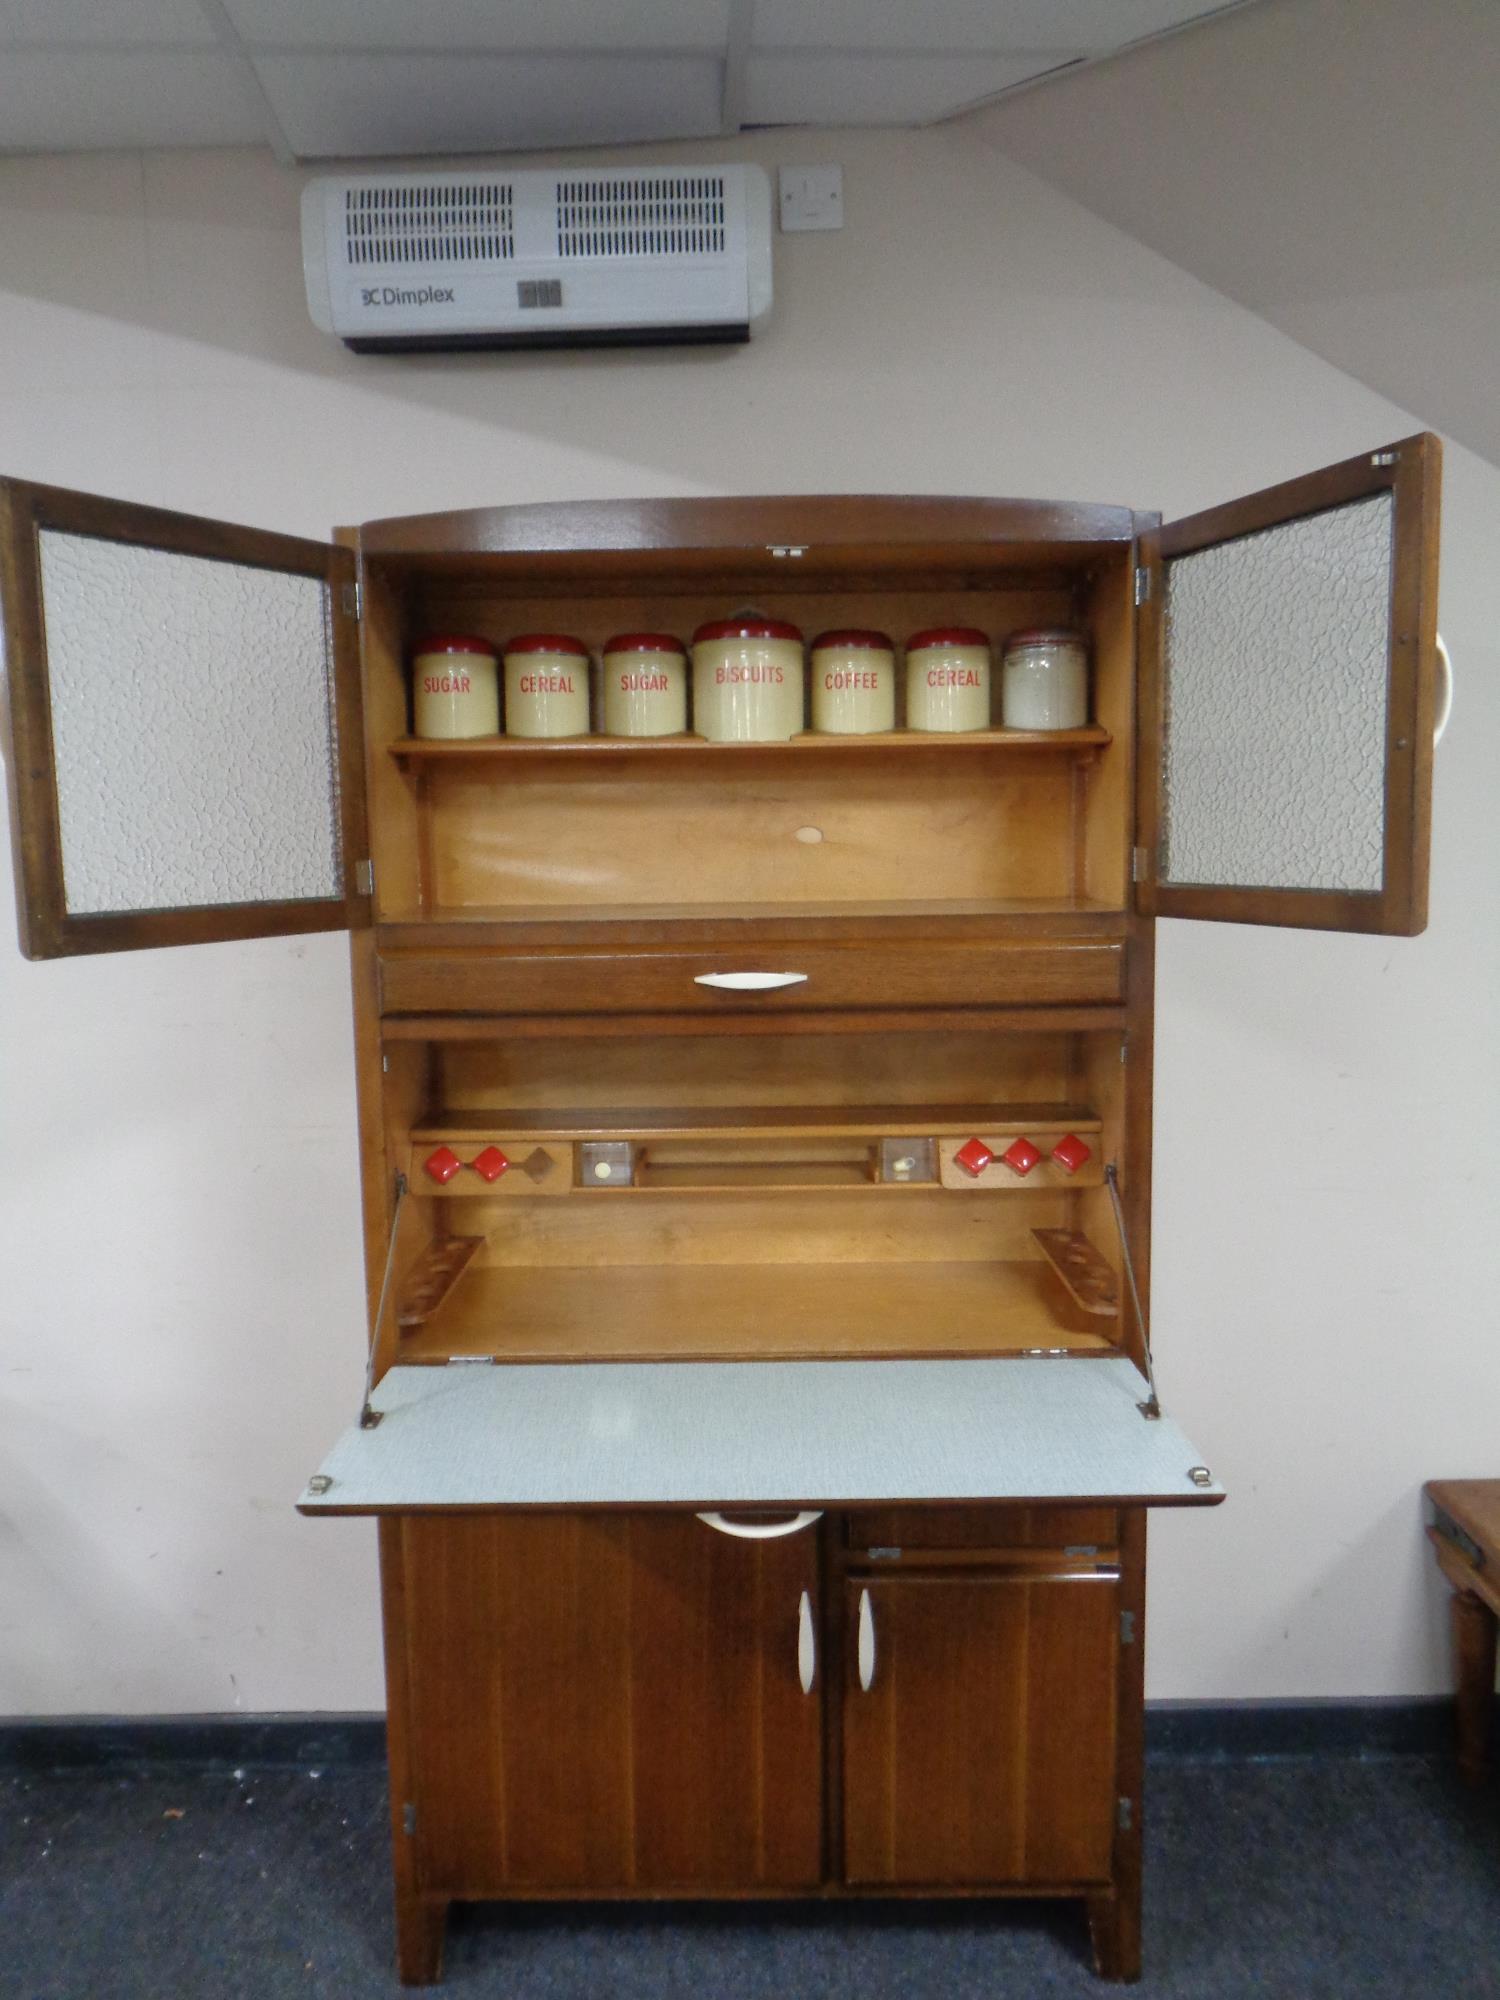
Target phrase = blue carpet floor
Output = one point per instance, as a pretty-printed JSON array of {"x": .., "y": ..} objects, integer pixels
[{"x": 1301, "y": 1878}]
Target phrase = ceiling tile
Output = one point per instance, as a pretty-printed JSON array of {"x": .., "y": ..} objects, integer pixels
[
  {"x": 944, "y": 25},
  {"x": 481, "y": 24},
  {"x": 347, "y": 106},
  {"x": 82, "y": 100},
  {"x": 107, "y": 23},
  {"x": 878, "y": 90}
]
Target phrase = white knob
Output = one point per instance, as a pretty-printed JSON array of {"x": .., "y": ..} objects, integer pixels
[{"x": 866, "y": 1642}]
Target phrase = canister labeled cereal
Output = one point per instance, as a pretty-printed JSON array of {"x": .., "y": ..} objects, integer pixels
[
  {"x": 747, "y": 680},
  {"x": 1044, "y": 680},
  {"x": 853, "y": 683},
  {"x": 455, "y": 687},
  {"x": 546, "y": 685},
  {"x": 948, "y": 679},
  {"x": 645, "y": 685}
]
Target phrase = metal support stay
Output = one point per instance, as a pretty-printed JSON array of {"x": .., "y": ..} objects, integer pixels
[
  {"x": 1152, "y": 1405},
  {"x": 369, "y": 1418}
]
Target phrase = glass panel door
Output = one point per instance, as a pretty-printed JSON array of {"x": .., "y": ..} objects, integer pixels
[
  {"x": 1288, "y": 691},
  {"x": 184, "y": 709}
]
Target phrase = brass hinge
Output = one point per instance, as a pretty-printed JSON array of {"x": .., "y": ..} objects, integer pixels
[
  {"x": 1124, "y": 1815},
  {"x": 1142, "y": 583},
  {"x": 353, "y": 599},
  {"x": 364, "y": 877},
  {"x": 1127, "y": 1628}
]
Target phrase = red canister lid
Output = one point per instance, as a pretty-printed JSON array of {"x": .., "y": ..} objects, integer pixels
[
  {"x": 946, "y": 635},
  {"x": 644, "y": 642},
  {"x": 1045, "y": 635},
  {"x": 746, "y": 628},
  {"x": 546, "y": 642},
  {"x": 454, "y": 642},
  {"x": 870, "y": 642}
]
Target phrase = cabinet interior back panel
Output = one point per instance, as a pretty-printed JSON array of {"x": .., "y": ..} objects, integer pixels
[
  {"x": 193, "y": 728},
  {"x": 758, "y": 1433}
]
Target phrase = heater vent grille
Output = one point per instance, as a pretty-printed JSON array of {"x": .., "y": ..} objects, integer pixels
[
  {"x": 434, "y": 222},
  {"x": 654, "y": 215}
]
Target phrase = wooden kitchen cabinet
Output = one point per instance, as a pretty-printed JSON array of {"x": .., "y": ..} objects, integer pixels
[{"x": 856, "y": 1260}]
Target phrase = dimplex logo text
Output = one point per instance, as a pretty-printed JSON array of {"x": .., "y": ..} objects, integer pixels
[{"x": 390, "y": 295}]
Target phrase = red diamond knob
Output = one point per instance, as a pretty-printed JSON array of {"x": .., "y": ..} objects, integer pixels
[
  {"x": 1021, "y": 1157},
  {"x": 490, "y": 1164},
  {"x": 973, "y": 1156},
  {"x": 1070, "y": 1153},
  {"x": 442, "y": 1165}
]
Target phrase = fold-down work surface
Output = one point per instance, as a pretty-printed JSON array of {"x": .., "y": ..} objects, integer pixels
[{"x": 756, "y": 1434}]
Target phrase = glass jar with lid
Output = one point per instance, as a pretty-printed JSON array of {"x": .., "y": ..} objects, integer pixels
[{"x": 1044, "y": 679}]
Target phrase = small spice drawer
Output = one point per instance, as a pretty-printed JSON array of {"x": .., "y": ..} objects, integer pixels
[{"x": 776, "y": 979}]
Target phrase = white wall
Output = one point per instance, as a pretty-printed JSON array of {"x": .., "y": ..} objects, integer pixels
[{"x": 180, "y": 1319}]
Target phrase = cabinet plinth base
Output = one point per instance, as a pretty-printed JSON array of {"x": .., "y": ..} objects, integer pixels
[
  {"x": 1115, "y": 1930},
  {"x": 421, "y": 1928}
]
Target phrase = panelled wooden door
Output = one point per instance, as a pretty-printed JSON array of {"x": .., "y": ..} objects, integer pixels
[
  {"x": 1288, "y": 689},
  {"x": 609, "y": 1701},
  {"x": 186, "y": 744},
  {"x": 979, "y": 1729}
]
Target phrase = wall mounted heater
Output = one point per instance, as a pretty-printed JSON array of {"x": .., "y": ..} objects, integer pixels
[{"x": 581, "y": 257}]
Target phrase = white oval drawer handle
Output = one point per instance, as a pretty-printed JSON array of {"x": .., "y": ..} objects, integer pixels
[
  {"x": 749, "y": 982},
  {"x": 1445, "y": 692},
  {"x": 807, "y": 1645},
  {"x": 866, "y": 1642},
  {"x": 761, "y": 1531}
]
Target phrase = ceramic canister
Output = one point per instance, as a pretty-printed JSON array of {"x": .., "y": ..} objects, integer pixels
[
  {"x": 747, "y": 680},
  {"x": 645, "y": 685},
  {"x": 546, "y": 686},
  {"x": 1044, "y": 680},
  {"x": 455, "y": 687},
  {"x": 948, "y": 679},
  {"x": 853, "y": 683}
]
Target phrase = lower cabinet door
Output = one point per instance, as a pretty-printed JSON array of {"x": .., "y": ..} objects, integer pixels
[
  {"x": 608, "y": 1701},
  {"x": 979, "y": 1729}
]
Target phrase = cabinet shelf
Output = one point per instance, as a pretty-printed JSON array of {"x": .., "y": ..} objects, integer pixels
[
  {"x": 518, "y": 753},
  {"x": 719, "y": 1312}
]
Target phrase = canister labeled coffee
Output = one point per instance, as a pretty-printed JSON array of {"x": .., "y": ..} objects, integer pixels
[
  {"x": 455, "y": 687},
  {"x": 645, "y": 685},
  {"x": 747, "y": 680},
  {"x": 948, "y": 679},
  {"x": 853, "y": 683},
  {"x": 546, "y": 686}
]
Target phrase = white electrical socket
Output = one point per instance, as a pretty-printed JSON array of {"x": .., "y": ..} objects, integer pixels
[{"x": 811, "y": 197}]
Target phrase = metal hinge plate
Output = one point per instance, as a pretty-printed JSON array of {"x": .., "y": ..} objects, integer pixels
[
  {"x": 786, "y": 549},
  {"x": 1142, "y": 584},
  {"x": 1127, "y": 1628},
  {"x": 471, "y": 1360},
  {"x": 364, "y": 877},
  {"x": 882, "y": 1555},
  {"x": 1383, "y": 457},
  {"x": 353, "y": 599},
  {"x": 1125, "y": 1815},
  {"x": 408, "y": 1820}
]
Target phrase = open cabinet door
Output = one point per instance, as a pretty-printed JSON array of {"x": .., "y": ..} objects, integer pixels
[
  {"x": 1288, "y": 647},
  {"x": 186, "y": 754}
]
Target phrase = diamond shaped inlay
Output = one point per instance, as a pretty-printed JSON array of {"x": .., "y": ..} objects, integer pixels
[
  {"x": 1021, "y": 1156},
  {"x": 490, "y": 1164},
  {"x": 442, "y": 1165},
  {"x": 537, "y": 1165},
  {"x": 1070, "y": 1153},
  {"x": 973, "y": 1156}
]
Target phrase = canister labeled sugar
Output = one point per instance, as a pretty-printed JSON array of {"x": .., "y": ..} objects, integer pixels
[
  {"x": 546, "y": 686},
  {"x": 455, "y": 687},
  {"x": 853, "y": 683},
  {"x": 645, "y": 685}
]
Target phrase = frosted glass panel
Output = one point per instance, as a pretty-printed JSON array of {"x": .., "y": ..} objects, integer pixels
[
  {"x": 193, "y": 728},
  {"x": 1277, "y": 654}
]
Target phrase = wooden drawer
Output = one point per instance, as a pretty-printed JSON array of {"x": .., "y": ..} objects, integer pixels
[
  {"x": 1049, "y": 1527},
  {"x": 1003, "y": 973}
]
